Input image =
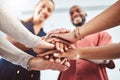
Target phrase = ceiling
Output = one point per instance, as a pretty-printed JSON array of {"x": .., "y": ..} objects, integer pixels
[{"x": 26, "y": 6}]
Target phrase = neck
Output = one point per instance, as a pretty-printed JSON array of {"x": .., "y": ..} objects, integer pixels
[
  {"x": 38, "y": 25},
  {"x": 37, "y": 28}
]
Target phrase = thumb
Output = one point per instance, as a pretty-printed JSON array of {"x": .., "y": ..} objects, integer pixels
[{"x": 44, "y": 44}]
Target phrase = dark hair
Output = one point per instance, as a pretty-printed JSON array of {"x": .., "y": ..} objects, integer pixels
[{"x": 75, "y": 6}]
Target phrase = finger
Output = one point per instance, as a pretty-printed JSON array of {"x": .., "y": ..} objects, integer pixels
[
  {"x": 67, "y": 64},
  {"x": 55, "y": 31},
  {"x": 49, "y": 40},
  {"x": 57, "y": 46},
  {"x": 51, "y": 58},
  {"x": 65, "y": 48},
  {"x": 47, "y": 57},
  {"x": 53, "y": 40},
  {"x": 63, "y": 68},
  {"x": 52, "y": 32},
  {"x": 44, "y": 44},
  {"x": 56, "y": 39},
  {"x": 61, "y": 55},
  {"x": 64, "y": 31},
  {"x": 61, "y": 46},
  {"x": 48, "y": 52},
  {"x": 64, "y": 60},
  {"x": 71, "y": 46},
  {"x": 68, "y": 31},
  {"x": 57, "y": 60}
]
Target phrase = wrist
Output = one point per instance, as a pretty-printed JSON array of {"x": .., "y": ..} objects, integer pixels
[
  {"x": 77, "y": 54},
  {"x": 29, "y": 64},
  {"x": 77, "y": 34}
]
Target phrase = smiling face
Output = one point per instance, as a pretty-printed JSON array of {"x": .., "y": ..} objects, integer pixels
[
  {"x": 43, "y": 10},
  {"x": 77, "y": 16}
]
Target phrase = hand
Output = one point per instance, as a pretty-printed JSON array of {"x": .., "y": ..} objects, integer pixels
[
  {"x": 60, "y": 45},
  {"x": 61, "y": 60},
  {"x": 68, "y": 37},
  {"x": 49, "y": 52},
  {"x": 43, "y": 46},
  {"x": 40, "y": 63},
  {"x": 58, "y": 31},
  {"x": 71, "y": 54}
]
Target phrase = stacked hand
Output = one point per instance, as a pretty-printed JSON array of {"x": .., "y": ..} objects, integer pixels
[
  {"x": 43, "y": 45},
  {"x": 70, "y": 37},
  {"x": 60, "y": 45},
  {"x": 51, "y": 44}
]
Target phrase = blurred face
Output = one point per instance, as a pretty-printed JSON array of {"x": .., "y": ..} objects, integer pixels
[
  {"x": 77, "y": 16},
  {"x": 43, "y": 10}
]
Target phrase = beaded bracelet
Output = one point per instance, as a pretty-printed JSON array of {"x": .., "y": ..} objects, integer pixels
[{"x": 76, "y": 33}]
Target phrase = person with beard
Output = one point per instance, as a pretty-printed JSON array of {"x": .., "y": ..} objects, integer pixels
[
  {"x": 107, "y": 19},
  {"x": 82, "y": 69}
]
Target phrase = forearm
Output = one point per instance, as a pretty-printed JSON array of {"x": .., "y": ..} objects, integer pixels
[
  {"x": 111, "y": 51},
  {"x": 13, "y": 54},
  {"x": 17, "y": 44},
  {"x": 14, "y": 28},
  {"x": 107, "y": 19},
  {"x": 99, "y": 61}
]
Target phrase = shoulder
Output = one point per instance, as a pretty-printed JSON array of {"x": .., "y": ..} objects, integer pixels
[{"x": 104, "y": 33}]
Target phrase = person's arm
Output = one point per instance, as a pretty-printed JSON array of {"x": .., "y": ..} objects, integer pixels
[
  {"x": 105, "y": 52},
  {"x": 15, "y": 29},
  {"x": 17, "y": 44},
  {"x": 111, "y": 51},
  {"x": 103, "y": 39},
  {"x": 18, "y": 57},
  {"x": 13, "y": 54},
  {"x": 107, "y": 19}
]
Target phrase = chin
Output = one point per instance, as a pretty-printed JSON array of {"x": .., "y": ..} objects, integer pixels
[{"x": 41, "y": 20}]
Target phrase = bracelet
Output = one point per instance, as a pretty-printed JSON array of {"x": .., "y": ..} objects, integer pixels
[{"x": 76, "y": 33}]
